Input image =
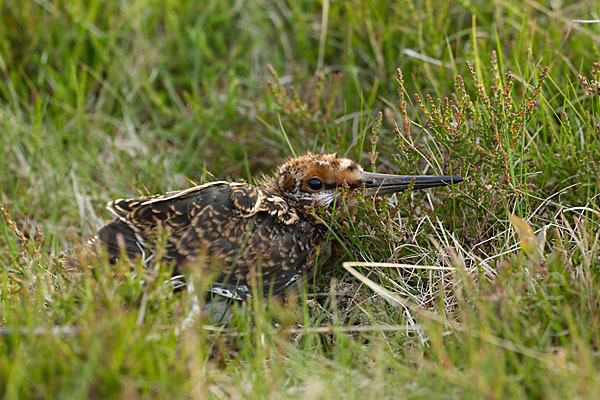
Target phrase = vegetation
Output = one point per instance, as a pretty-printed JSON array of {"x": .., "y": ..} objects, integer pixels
[{"x": 495, "y": 289}]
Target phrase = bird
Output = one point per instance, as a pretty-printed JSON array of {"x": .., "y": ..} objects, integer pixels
[{"x": 262, "y": 237}]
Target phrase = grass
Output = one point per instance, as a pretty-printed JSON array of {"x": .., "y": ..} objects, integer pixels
[{"x": 101, "y": 100}]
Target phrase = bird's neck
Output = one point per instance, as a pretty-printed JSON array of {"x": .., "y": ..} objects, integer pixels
[{"x": 271, "y": 185}]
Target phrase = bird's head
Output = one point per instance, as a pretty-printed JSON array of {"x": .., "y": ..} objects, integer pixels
[{"x": 317, "y": 178}]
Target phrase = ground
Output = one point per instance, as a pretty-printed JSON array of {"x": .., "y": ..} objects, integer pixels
[{"x": 494, "y": 290}]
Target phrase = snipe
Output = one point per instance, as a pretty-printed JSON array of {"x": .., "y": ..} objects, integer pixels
[{"x": 259, "y": 235}]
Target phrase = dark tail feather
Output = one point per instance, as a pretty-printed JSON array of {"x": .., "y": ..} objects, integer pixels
[
  {"x": 112, "y": 239},
  {"x": 116, "y": 237}
]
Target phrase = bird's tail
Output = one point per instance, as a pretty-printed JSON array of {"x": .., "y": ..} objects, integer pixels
[{"x": 79, "y": 257}]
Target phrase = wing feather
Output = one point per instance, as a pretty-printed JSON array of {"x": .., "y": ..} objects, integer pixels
[{"x": 255, "y": 236}]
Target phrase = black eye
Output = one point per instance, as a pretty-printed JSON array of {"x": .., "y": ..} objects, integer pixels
[{"x": 315, "y": 184}]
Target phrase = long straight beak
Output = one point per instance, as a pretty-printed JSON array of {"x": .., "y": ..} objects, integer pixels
[{"x": 385, "y": 184}]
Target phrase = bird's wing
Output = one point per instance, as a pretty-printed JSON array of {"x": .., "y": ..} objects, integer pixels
[
  {"x": 255, "y": 235},
  {"x": 141, "y": 221}
]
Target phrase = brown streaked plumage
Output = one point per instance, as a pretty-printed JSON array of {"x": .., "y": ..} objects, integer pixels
[{"x": 257, "y": 233}]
